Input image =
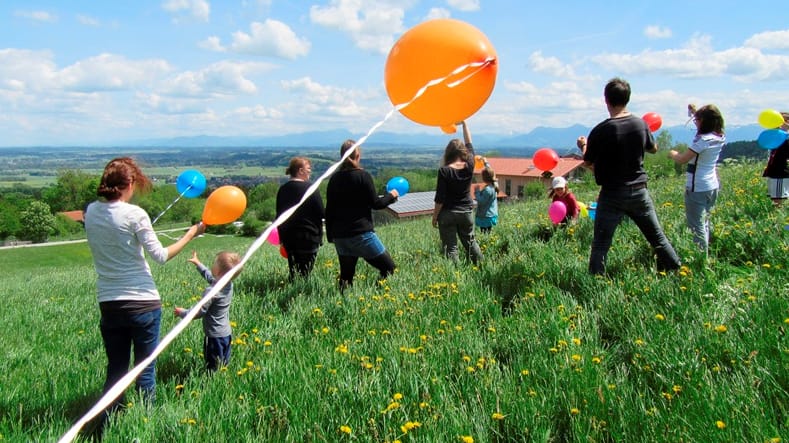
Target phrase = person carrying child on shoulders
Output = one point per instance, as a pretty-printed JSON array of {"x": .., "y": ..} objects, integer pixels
[{"x": 216, "y": 312}]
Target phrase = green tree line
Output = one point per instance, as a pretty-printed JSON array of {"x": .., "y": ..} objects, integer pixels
[{"x": 33, "y": 214}]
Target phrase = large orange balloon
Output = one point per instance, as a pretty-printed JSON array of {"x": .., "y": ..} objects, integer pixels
[
  {"x": 224, "y": 205},
  {"x": 432, "y": 50}
]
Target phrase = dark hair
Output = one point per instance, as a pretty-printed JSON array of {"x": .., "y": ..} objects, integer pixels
[
  {"x": 118, "y": 175},
  {"x": 455, "y": 149},
  {"x": 352, "y": 162},
  {"x": 617, "y": 92},
  {"x": 295, "y": 164},
  {"x": 710, "y": 119}
]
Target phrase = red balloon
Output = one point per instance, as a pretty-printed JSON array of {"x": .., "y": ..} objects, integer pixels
[
  {"x": 653, "y": 120},
  {"x": 283, "y": 252},
  {"x": 545, "y": 159}
]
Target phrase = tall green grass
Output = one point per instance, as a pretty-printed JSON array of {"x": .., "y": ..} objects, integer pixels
[{"x": 526, "y": 347}]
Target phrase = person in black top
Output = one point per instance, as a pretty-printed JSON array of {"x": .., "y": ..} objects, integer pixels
[
  {"x": 614, "y": 151},
  {"x": 777, "y": 170},
  {"x": 452, "y": 214},
  {"x": 350, "y": 199},
  {"x": 301, "y": 234}
]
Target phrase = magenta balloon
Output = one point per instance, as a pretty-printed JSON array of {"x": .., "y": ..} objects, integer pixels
[
  {"x": 557, "y": 211},
  {"x": 273, "y": 237}
]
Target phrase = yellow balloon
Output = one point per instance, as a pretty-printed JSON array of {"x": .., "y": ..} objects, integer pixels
[
  {"x": 771, "y": 119},
  {"x": 583, "y": 209}
]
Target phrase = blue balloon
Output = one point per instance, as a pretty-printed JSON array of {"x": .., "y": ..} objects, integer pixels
[
  {"x": 398, "y": 183},
  {"x": 771, "y": 138},
  {"x": 190, "y": 183}
]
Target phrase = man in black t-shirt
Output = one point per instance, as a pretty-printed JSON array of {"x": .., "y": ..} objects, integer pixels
[{"x": 614, "y": 151}]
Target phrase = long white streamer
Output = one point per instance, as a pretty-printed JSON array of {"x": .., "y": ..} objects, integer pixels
[
  {"x": 171, "y": 204},
  {"x": 120, "y": 386}
]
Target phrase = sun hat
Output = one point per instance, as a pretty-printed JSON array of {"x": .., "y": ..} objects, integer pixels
[{"x": 559, "y": 182}]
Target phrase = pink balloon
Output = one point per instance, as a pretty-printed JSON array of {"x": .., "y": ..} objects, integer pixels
[
  {"x": 273, "y": 237},
  {"x": 557, "y": 211}
]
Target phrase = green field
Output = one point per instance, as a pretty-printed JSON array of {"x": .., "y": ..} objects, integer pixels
[{"x": 526, "y": 347}]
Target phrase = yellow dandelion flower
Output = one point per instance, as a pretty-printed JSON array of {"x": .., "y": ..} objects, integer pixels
[
  {"x": 179, "y": 387},
  {"x": 188, "y": 350},
  {"x": 677, "y": 389},
  {"x": 233, "y": 324},
  {"x": 524, "y": 372},
  {"x": 575, "y": 411},
  {"x": 576, "y": 341},
  {"x": 250, "y": 364},
  {"x": 267, "y": 343},
  {"x": 467, "y": 439},
  {"x": 497, "y": 416},
  {"x": 397, "y": 396},
  {"x": 720, "y": 328},
  {"x": 659, "y": 317},
  {"x": 576, "y": 357},
  {"x": 345, "y": 429},
  {"x": 720, "y": 424},
  {"x": 596, "y": 360},
  {"x": 639, "y": 342}
]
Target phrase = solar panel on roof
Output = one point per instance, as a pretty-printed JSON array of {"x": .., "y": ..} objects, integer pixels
[{"x": 414, "y": 202}]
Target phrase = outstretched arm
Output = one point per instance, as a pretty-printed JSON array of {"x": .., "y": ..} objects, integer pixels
[{"x": 466, "y": 132}]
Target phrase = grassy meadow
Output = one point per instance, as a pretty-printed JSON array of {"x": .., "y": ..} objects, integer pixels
[{"x": 527, "y": 347}]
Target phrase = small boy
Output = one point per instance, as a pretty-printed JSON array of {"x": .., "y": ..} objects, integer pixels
[{"x": 216, "y": 312}]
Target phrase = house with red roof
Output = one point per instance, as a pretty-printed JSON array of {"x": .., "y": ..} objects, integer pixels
[{"x": 515, "y": 173}]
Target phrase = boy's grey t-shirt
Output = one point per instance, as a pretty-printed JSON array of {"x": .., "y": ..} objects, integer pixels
[{"x": 216, "y": 312}]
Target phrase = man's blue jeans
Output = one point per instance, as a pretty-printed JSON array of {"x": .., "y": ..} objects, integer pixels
[
  {"x": 632, "y": 201},
  {"x": 120, "y": 330}
]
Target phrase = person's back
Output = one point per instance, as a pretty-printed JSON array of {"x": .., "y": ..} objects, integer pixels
[{"x": 619, "y": 161}]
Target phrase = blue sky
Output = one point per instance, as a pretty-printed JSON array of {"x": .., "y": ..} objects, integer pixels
[{"x": 99, "y": 72}]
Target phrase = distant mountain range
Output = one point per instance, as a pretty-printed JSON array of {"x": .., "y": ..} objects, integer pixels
[{"x": 562, "y": 140}]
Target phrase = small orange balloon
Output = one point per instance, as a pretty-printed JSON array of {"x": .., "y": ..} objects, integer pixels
[
  {"x": 224, "y": 205},
  {"x": 432, "y": 50},
  {"x": 478, "y": 163}
]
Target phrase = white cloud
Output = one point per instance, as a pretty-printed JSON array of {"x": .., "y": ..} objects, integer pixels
[
  {"x": 657, "y": 32},
  {"x": 219, "y": 79},
  {"x": 196, "y": 9},
  {"x": 270, "y": 38},
  {"x": 39, "y": 16},
  {"x": 698, "y": 59},
  {"x": 87, "y": 20},
  {"x": 212, "y": 43},
  {"x": 326, "y": 99},
  {"x": 551, "y": 66},
  {"x": 371, "y": 24},
  {"x": 464, "y": 5},
  {"x": 769, "y": 40},
  {"x": 438, "y": 13},
  {"x": 108, "y": 72}
]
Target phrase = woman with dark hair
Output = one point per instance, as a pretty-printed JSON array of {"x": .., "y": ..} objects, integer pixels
[
  {"x": 119, "y": 234},
  {"x": 453, "y": 211},
  {"x": 702, "y": 184},
  {"x": 350, "y": 199},
  {"x": 302, "y": 233}
]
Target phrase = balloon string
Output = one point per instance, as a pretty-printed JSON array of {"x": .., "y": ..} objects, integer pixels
[
  {"x": 479, "y": 66},
  {"x": 171, "y": 204},
  {"x": 120, "y": 386}
]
